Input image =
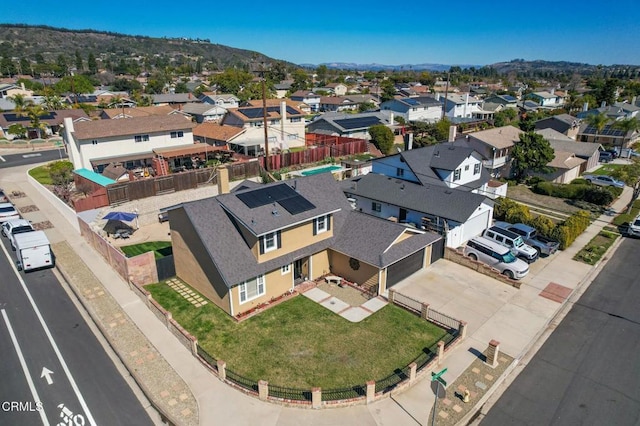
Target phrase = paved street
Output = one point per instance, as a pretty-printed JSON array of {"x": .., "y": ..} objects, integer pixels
[
  {"x": 587, "y": 371},
  {"x": 30, "y": 157}
]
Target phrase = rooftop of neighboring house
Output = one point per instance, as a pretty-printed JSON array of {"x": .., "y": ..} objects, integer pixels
[
  {"x": 304, "y": 94},
  {"x": 280, "y": 205},
  {"x": 173, "y": 98},
  {"x": 431, "y": 199},
  {"x": 461, "y": 99},
  {"x": 130, "y": 126},
  {"x": 52, "y": 118},
  {"x": 565, "y": 160},
  {"x": 498, "y": 137},
  {"x": 254, "y": 111},
  {"x": 217, "y": 131},
  {"x": 353, "y": 122},
  {"x": 138, "y": 111}
]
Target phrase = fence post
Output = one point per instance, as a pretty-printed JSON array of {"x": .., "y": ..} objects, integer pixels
[
  {"x": 316, "y": 397},
  {"x": 169, "y": 317},
  {"x": 194, "y": 346},
  {"x": 413, "y": 372},
  {"x": 222, "y": 370},
  {"x": 392, "y": 294},
  {"x": 492, "y": 353},
  {"x": 463, "y": 329},
  {"x": 424, "y": 311},
  {"x": 263, "y": 389},
  {"x": 371, "y": 391},
  {"x": 440, "y": 351},
  {"x": 149, "y": 297}
]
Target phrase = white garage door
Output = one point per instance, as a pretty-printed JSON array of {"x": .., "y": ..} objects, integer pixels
[{"x": 475, "y": 226}]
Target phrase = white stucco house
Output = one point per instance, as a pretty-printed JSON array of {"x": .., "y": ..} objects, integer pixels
[
  {"x": 94, "y": 144},
  {"x": 422, "y": 108}
]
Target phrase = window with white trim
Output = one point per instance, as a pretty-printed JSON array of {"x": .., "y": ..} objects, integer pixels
[
  {"x": 270, "y": 242},
  {"x": 285, "y": 269},
  {"x": 476, "y": 168},
  {"x": 321, "y": 224},
  {"x": 178, "y": 134},
  {"x": 141, "y": 138},
  {"x": 252, "y": 288},
  {"x": 376, "y": 207},
  {"x": 456, "y": 174}
]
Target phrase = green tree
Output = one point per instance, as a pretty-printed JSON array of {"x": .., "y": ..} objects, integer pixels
[
  {"x": 388, "y": 90},
  {"x": 92, "y": 65},
  {"x": 79, "y": 62},
  {"x": 630, "y": 124},
  {"x": 18, "y": 130},
  {"x": 61, "y": 173},
  {"x": 321, "y": 73},
  {"x": 598, "y": 122},
  {"x": 7, "y": 67},
  {"x": 232, "y": 80},
  {"x": 504, "y": 117},
  {"x": 366, "y": 106},
  {"x": 531, "y": 154},
  {"x": 382, "y": 137},
  {"x": 52, "y": 101},
  {"x": 21, "y": 103},
  {"x": 75, "y": 84},
  {"x": 35, "y": 112},
  {"x": 630, "y": 175},
  {"x": 25, "y": 66},
  {"x": 300, "y": 80}
]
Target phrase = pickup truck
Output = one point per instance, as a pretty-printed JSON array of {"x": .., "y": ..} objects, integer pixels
[
  {"x": 529, "y": 234},
  {"x": 603, "y": 180}
]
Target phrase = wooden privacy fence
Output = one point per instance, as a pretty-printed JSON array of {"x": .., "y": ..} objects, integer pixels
[
  {"x": 317, "y": 154},
  {"x": 123, "y": 192}
]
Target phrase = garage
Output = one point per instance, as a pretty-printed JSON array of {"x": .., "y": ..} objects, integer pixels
[
  {"x": 405, "y": 267},
  {"x": 475, "y": 226}
]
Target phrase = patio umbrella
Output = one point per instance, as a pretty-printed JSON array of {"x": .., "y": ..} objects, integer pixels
[{"x": 123, "y": 216}]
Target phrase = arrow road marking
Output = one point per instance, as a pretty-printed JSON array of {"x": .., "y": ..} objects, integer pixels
[
  {"x": 25, "y": 368},
  {"x": 46, "y": 373},
  {"x": 2, "y": 159}
]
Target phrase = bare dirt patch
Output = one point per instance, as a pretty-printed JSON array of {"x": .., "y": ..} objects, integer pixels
[{"x": 525, "y": 195}]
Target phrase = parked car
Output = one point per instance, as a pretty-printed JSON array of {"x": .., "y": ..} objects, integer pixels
[
  {"x": 13, "y": 227},
  {"x": 634, "y": 227},
  {"x": 529, "y": 234},
  {"x": 8, "y": 212},
  {"x": 3, "y": 197},
  {"x": 513, "y": 241},
  {"x": 614, "y": 152},
  {"x": 497, "y": 256},
  {"x": 603, "y": 180},
  {"x": 605, "y": 157}
]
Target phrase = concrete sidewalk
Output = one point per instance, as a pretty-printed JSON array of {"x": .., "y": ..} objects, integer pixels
[{"x": 517, "y": 321}]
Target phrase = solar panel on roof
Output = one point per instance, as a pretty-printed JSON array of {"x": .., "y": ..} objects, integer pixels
[
  {"x": 358, "y": 123},
  {"x": 509, "y": 98},
  {"x": 252, "y": 112},
  {"x": 282, "y": 194},
  {"x": 607, "y": 131},
  {"x": 411, "y": 101}
]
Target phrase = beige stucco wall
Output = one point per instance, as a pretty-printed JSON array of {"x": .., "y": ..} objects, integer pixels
[
  {"x": 320, "y": 264},
  {"x": 295, "y": 238},
  {"x": 340, "y": 266},
  {"x": 193, "y": 264},
  {"x": 276, "y": 284}
]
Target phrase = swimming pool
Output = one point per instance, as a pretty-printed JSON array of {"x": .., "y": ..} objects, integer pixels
[{"x": 319, "y": 170}]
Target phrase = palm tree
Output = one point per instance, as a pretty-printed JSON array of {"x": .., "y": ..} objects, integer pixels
[
  {"x": 34, "y": 112},
  {"x": 598, "y": 122},
  {"x": 53, "y": 102},
  {"x": 627, "y": 125},
  {"x": 21, "y": 104}
]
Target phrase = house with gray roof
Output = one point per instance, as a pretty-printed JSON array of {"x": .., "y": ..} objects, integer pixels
[
  {"x": 563, "y": 123},
  {"x": 458, "y": 215},
  {"x": 422, "y": 108},
  {"x": 244, "y": 248},
  {"x": 349, "y": 125},
  {"x": 588, "y": 151}
]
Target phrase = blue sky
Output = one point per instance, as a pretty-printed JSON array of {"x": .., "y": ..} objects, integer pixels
[{"x": 391, "y": 33}]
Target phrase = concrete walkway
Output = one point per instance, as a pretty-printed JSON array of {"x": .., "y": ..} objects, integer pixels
[
  {"x": 337, "y": 306},
  {"x": 516, "y": 318}
]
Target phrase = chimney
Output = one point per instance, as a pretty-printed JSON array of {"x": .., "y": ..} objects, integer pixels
[
  {"x": 633, "y": 100},
  {"x": 22, "y": 86},
  {"x": 438, "y": 96},
  {"x": 603, "y": 104},
  {"x": 409, "y": 141},
  {"x": 391, "y": 119},
  {"x": 223, "y": 180},
  {"x": 585, "y": 106},
  {"x": 453, "y": 130},
  {"x": 283, "y": 110}
]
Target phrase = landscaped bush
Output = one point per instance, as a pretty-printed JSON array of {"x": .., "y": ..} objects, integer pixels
[
  {"x": 543, "y": 224},
  {"x": 576, "y": 190},
  {"x": 567, "y": 231},
  {"x": 534, "y": 180},
  {"x": 598, "y": 196}
]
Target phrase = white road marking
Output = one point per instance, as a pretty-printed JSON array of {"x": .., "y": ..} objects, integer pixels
[
  {"x": 46, "y": 373},
  {"x": 63, "y": 363},
  {"x": 2, "y": 159},
  {"x": 25, "y": 368},
  {"x": 31, "y": 155}
]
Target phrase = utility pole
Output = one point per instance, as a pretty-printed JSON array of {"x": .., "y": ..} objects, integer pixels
[
  {"x": 261, "y": 72},
  {"x": 446, "y": 95}
]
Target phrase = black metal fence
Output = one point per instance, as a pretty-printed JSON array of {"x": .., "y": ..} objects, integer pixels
[
  {"x": 213, "y": 363},
  {"x": 291, "y": 394},
  {"x": 352, "y": 392},
  {"x": 166, "y": 267},
  {"x": 243, "y": 382}
]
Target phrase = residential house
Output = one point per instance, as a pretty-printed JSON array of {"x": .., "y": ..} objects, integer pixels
[
  {"x": 279, "y": 235},
  {"x": 422, "y": 108},
  {"x": 282, "y": 88},
  {"x": 491, "y": 102},
  {"x": 495, "y": 146},
  {"x": 223, "y": 100},
  {"x": 52, "y": 121},
  {"x": 565, "y": 167},
  {"x": 459, "y": 215},
  {"x": 217, "y": 135},
  {"x": 564, "y": 123},
  {"x": 464, "y": 106},
  {"x": 95, "y": 144},
  {"x": 102, "y": 98},
  {"x": 618, "y": 111},
  {"x": 337, "y": 104},
  {"x": 349, "y": 125},
  {"x": 445, "y": 165},
  {"x": 609, "y": 136},
  {"x": 338, "y": 89},
  {"x": 203, "y": 113},
  {"x": 547, "y": 99},
  {"x": 126, "y": 112},
  {"x": 285, "y": 126},
  {"x": 173, "y": 99},
  {"x": 307, "y": 97},
  {"x": 590, "y": 152},
  {"x": 8, "y": 90}
]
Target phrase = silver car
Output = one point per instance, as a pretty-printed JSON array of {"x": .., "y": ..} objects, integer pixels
[{"x": 497, "y": 256}]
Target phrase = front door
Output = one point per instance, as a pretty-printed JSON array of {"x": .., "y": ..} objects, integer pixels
[
  {"x": 402, "y": 215},
  {"x": 301, "y": 270}
]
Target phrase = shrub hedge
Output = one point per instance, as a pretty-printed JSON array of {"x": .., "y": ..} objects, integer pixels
[
  {"x": 576, "y": 190},
  {"x": 565, "y": 232}
]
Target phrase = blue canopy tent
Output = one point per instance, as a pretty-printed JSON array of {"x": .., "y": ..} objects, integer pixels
[{"x": 126, "y": 217}]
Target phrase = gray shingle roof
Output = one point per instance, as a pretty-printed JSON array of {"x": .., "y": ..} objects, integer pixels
[{"x": 439, "y": 201}]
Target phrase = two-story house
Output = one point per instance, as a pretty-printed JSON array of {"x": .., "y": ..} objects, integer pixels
[
  {"x": 495, "y": 146},
  {"x": 564, "y": 123},
  {"x": 462, "y": 106},
  {"x": 285, "y": 126},
  {"x": 337, "y": 104},
  {"x": 279, "y": 235},
  {"x": 307, "y": 97},
  {"x": 459, "y": 215},
  {"x": 422, "y": 108},
  {"x": 94, "y": 144},
  {"x": 547, "y": 99},
  {"x": 223, "y": 100}
]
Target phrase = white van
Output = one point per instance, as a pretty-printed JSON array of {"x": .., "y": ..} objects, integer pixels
[
  {"x": 497, "y": 256},
  {"x": 33, "y": 251},
  {"x": 513, "y": 241}
]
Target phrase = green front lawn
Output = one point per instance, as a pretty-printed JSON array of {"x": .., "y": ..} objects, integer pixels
[
  {"x": 606, "y": 169},
  {"x": 300, "y": 344},
  {"x": 626, "y": 218},
  {"x": 159, "y": 248},
  {"x": 41, "y": 174}
]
